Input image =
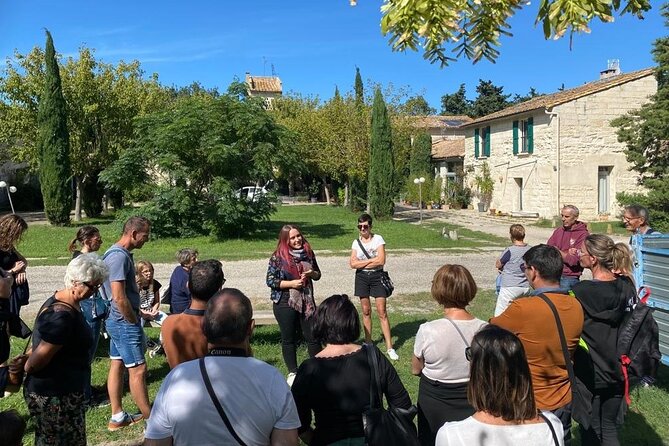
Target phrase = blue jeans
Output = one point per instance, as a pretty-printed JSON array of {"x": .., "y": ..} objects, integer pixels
[
  {"x": 96, "y": 325},
  {"x": 126, "y": 341},
  {"x": 568, "y": 282}
]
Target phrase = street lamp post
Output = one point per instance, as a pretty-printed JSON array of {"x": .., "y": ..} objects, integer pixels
[
  {"x": 419, "y": 182},
  {"x": 10, "y": 191}
]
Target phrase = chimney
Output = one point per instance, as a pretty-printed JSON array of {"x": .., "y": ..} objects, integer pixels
[{"x": 612, "y": 69}]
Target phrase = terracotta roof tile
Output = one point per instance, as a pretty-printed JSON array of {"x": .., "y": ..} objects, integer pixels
[
  {"x": 440, "y": 121},
  {"x": 448, "y": 148},
  {"x": 551, "y": 100},
  {"x": 263, "y": 84}
]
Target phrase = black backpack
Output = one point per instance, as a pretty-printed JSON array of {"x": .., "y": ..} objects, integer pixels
[{"x": 638, "y": 345}]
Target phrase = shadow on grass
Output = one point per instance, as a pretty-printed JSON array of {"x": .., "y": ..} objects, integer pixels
[
  {"x": 405, "y": 331},
  {"x": 638, "y": 432},
  {"x": 270, "y": 230}
]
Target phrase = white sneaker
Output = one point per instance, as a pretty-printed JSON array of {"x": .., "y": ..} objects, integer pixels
[
  {"x": 291, "y": 378},
  {"x": 392, "y": 354}
]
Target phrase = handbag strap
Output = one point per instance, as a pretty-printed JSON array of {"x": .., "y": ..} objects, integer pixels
[
  {"x": 459, "y": 331},
  {"x": 214, "y": 399},
  {"x": 563, "y": 340},
  {"x": 374, "y": 380},
  {"x": 42, "y": 311},
  {"x": 364, "y": 251},
  {"x": 550, "y": 426}
]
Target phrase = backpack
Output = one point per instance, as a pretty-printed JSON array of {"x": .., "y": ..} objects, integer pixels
[{"x": 638, "y": 344}]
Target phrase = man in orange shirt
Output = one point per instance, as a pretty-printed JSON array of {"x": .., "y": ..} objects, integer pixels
[
  {"x": 532, "y": 320},
  {"x": 182, "y": 334}
]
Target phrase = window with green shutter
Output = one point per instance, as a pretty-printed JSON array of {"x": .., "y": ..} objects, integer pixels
[
  {"x": 476, "y": 143},
  {"x": 486, "y": 142},
  {"x": 530, "y": 135},
  {"x": 515, "y": 137},
  {"x": 523, "y": 136}
]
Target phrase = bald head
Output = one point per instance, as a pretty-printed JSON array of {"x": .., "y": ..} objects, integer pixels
[{"x": 227, "y": 318}]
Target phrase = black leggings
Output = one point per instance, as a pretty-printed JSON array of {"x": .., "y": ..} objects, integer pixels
[
  {"x": 604, "y": 422},
  {"x": 290, "y": 321}
]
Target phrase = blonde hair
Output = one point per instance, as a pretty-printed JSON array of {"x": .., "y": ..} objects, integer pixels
[
  {"x": 140, "y": 267},
  {"x": 615, "y": 257}
]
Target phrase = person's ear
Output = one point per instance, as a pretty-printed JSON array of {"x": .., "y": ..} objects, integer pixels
[{"x": 252, "y": 326}]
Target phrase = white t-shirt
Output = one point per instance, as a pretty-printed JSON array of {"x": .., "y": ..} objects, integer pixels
[
  {"x": 254, "y": 396},
  {"x": 443, "y": 350},
  {"x": 371, "y": 246},
  {"x": 471, "y": 432}
]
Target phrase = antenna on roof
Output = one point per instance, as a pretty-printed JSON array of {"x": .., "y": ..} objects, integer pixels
[
  {"x": 264, "y": 65},
  {"x": 273, "y": 72}
]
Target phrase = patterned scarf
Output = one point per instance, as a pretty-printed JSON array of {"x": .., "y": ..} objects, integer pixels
[{"x": 302, "y": 300}]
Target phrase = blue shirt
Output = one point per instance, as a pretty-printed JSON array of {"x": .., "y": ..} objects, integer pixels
[
  {"x": 179, "y": 290},
  {"x": 121, "y": 269},
  {"x": 549, "y": 289}
]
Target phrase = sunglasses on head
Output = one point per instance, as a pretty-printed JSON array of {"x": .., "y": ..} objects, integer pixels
[
  {"x": 363, "y": 226},
  {"x": 91, "y": 286}
]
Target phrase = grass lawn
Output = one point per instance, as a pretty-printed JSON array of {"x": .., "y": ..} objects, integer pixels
[
  {"x": 596, "y": 227},
  {"x": 328, "y": 229},
  {"x": 647, "y": 423}
]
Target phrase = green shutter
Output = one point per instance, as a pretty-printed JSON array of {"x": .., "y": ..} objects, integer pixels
[
  {"x": 530, "y": 135},
  {"x": 515, "y": 137},
  {"x": 486, "y": 149},
  {"x": 476, "y": 143}
]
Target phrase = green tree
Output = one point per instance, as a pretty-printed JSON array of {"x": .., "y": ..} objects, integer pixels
[
  {"x": 417, "y": 106},
  {"x": 474, "y": 28},
  {"x": 456, "y": 103},
  {"x": 645, "y": 133},
  {"x": 359, "y": 89},
  {"x": 421, "y": 155},
  {"x": 490, "y": 99},
  {"x": 517, "y": 99},
  {"x": 381, "y": 166},
  {"x": 53, "y": 144}
]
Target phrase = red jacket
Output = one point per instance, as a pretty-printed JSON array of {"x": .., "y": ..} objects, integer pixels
[{"x": 563, "y": 239}]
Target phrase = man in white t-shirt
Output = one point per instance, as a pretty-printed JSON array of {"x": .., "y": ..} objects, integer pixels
[{"x": 252, "y": 394}]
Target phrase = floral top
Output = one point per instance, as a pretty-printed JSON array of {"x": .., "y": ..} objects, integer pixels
[{"x": 276, "y": 272}]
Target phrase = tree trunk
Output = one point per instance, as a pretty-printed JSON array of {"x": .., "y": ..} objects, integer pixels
[
  {"x": 327, "y": 192},
  {"x": 77, "y": 200},
  {"x": 347, "y": 189},
  {"x": 106, "y": 201},
  {"x": 291, "y": 188}
]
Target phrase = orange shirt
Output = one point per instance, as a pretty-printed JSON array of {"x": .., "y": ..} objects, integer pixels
[
  {"x": 183, "y": 338},
  {"x": 532, "y": 320}
]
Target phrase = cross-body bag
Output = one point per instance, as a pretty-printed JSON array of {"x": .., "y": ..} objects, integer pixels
[
  {"x": 214, "y": 399},
  {"x": 550, "y": 426},
  {"x": 581, "y": 397},
  {"x": 386, "y": 281},
  {"x": 385, "y": 427},
  {"x": 461, "y": 335}
]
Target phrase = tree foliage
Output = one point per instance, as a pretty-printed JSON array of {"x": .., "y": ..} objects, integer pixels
[
  {"x": 359, "y": 89},
  {"x": 645, "y": 132},
  {"x": 381, "y": 168},
  {"x": 196, "y": 154},
  {"x": 421, "y": 155},
  {"x": 53, "y": 143},
  {"x": 417, "y": 106},
  {"x": 456, "y": 103},
  {"x": 490, "y": 99},
  {"x": 472, "y": 28}
]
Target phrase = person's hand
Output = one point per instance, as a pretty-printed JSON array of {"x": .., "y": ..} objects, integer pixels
[
  {"x": 308, "y": 274},
  {"x": 21, "y": 278},
  {"x": 297, "y": 284},
  {"x": 573, "y": 251},
  {"x": 19, "y": 266}
]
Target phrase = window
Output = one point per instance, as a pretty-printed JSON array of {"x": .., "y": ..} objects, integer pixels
[
  {"x": 482, "y": 137},
  {"x": 523, "y": 136}
]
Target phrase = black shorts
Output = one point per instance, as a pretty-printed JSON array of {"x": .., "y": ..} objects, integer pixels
[{"x": 368, "y": 284}]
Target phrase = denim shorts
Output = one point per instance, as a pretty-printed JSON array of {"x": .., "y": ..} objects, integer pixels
[{"x": 127, "y": 342}]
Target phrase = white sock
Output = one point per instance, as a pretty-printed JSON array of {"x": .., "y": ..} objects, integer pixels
[{"x": 118, "y": 417}]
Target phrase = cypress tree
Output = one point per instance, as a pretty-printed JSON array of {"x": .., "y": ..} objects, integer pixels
[
  {"x": 381, "y": 164},
  {"x": 53, "y": 143},
  {"x": 420, "y": 155},
  {"x": 359, "y": 90}
]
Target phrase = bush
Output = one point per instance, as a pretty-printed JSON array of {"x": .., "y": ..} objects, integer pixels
[{"x": 92, "y": 193}]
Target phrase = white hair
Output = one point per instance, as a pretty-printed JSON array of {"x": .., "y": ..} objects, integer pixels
[
  {"x": 87, "y": 267},
  {"x": 573, "y": 209}
]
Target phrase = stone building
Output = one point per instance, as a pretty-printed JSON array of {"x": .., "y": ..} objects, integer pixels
[
  {"x": 267, "y": 87},
  {"x": 448, "y": 142},
  {"x": 560, "y": 148}
]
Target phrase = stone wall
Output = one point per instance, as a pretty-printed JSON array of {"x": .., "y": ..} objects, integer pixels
[{"x": 586, "y": 142}]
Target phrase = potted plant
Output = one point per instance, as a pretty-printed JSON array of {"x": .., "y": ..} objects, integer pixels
[
  {"x": 313, "y": 190},
  {"x": 485, "y": 186}
]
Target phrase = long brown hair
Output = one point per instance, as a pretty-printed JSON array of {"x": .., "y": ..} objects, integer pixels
[
  {"x": 499, "y": 379},
  {"x": 84, "y": 233},
  {"x": 283, "y": 249},
  {"x": 12, "y": 228}
]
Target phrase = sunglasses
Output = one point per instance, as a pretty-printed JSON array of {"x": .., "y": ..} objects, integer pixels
[
  {"x": 361, "y": 227},
  {"x": 91, "y": 286},
  {"x": 468, "y": 354}
]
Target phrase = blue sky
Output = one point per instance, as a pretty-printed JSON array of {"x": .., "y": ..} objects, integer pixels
[{"x": 312, "y": 45}]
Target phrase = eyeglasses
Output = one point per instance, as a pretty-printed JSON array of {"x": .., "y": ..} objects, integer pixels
[
  {"x": 91, "y": 286},
  {"x": 626, "y": 218},
  {"x": 223, "y": 283},
  {"x": 523, "y": 267},
  {"x": 361, "y": 227}
]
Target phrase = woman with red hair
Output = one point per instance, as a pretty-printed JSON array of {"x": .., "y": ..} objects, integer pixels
[{"x": 290, "y": 275}]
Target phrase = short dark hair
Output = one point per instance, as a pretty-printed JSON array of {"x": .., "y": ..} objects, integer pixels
[
  {"x": 227, "y": 317},
  {"x": 205, "y": 279},
  {"x": 365, "y": 218},
  {"x": 499, "y": 377},
  {"x": 136, "y": 223},
  {"x": 336, "y": 321},
  {"x": 517, "y": 232},
  {"x": 546, "y": 260},
  {"x": 12, "y": 428},
  {"x": 453, "y": 286}
]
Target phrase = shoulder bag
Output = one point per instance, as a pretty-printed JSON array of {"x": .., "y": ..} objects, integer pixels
[
  {"x": 386, "y": 281},
  {"x": 386, "y": 427},
  {"x": 550, "y": 426},
  {"x": 214, "y": 399},
  {"x": 581, "y": 397}
]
